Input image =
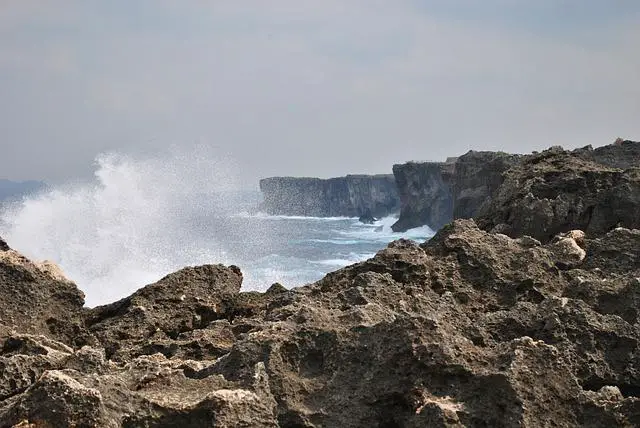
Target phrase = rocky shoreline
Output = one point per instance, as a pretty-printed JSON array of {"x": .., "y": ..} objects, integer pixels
[{"x": 526, "y": 316}]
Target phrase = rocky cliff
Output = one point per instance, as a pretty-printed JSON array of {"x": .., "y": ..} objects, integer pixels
[
  {"x": 471, "y": 329},
  {"x": 470, "y": 183},
  {"x": 558, "y": 190},
  {"x": 623, "y": 154},
  {"x": 476, "y": 178},
  {"x": 351, "y": 196},
  {"x": 434, "y": 193},
  {"x": 425, "y": 194}
]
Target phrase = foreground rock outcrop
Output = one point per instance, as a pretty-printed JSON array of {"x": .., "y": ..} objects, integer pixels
[
  {"x": 37, "y": 298},
  {"x": 472, "y": 328},
  {"x": 350, "y": 196}
]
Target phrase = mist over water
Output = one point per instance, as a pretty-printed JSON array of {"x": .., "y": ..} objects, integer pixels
[
  {"x": 141, "y": 218},
  {"x": 129, "y": 225}
]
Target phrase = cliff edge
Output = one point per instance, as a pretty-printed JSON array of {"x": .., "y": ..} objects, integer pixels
[
  {"x": 350, "y": 196},
  {"x": 525, "y": 321},
  {"x": 434, "y": 193},
  {"x": 425, "y": 195}
]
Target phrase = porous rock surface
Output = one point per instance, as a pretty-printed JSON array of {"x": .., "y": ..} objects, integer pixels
[
  {"x": 547, "y": 184},
  {"x": 36, "y": 298},
  {"x": 558, "y": 190},
  {"x": 470, "y": 329}
]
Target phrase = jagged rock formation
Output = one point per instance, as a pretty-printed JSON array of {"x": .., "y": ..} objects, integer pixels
[
  {"x": 470, "y": 329},
  {"x": 473, "y": 328},
  {"x": 558, "y": 190},
  {"x": 36, "y": 298},
  {"x": 351, "y": 196},
  {"x": 425, "y": 195},
  {"x": 623, "y": 154},
  {"x": 469, "y": 186}
]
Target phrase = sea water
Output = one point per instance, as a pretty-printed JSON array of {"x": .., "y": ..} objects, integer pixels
[{"x": 142, "y": 218}]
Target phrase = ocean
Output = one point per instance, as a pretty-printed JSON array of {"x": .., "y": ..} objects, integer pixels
[{"x": 140, "y": 219}]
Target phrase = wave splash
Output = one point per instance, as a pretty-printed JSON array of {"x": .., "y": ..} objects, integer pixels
[
  {"x": 129, "y": 225},
  {"x": 139, "y": 219}
]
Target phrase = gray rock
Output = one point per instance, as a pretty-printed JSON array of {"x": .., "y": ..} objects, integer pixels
[
  {"x": 36, "y": 298},
  {"x": 351, "y": 196},
  {"x": 425, "y": 195},
  {"x": 557, "y": 191}
]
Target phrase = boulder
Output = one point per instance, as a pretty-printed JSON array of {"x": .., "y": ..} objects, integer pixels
[
  {"x": 367, "y": 218},
  {"x": 3, "y": 245},
  {"x": 168, "y": 310},
  {"x": 36, "y": 298}
]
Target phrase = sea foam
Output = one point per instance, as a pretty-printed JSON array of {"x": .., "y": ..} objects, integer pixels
[{"x": 126, "y": 227}]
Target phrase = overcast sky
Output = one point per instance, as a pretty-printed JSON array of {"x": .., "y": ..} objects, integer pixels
[{"x": 311, "y": 87}]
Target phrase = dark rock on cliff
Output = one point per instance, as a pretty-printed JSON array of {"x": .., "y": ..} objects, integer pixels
[
  {"x": 433, "y": 193},
  {"x": 425, "y": 195},
  {"x": 558, "y": 190},
  {"x": 351, "y": 196},
  {"x": 3, "y": 245},
  {"x": 623, "y": 154},
  {"x": 367, "y": 218},
  {"x": 476, "y": 178},
  {"x": 470, "y": 329}
]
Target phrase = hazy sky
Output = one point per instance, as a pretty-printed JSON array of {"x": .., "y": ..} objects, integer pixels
[{"x": 314, "y": 88}]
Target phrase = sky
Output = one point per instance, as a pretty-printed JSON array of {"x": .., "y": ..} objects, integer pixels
[{"x": 311, "y": 87}]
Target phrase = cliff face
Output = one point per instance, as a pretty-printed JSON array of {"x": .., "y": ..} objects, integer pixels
[
  {"x": 425, "y": 194},
  {"x": 476, "y": 178},
  {"x": 434, "y": 193},
  {"x": 351, "y": 196},
  {"x": 558, "y": 190}
]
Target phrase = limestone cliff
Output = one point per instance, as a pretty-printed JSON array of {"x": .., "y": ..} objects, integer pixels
[
  {"x": 623, "y": 154},
  {"x": 476, "y": 178},
  {"x": 434, "y": 193},
  {"x": 425, "y": 194},
  {"x": 351, "y": 196},
  {"x": 470, "y": 329},
  {"x": 557, "y": 190}
]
